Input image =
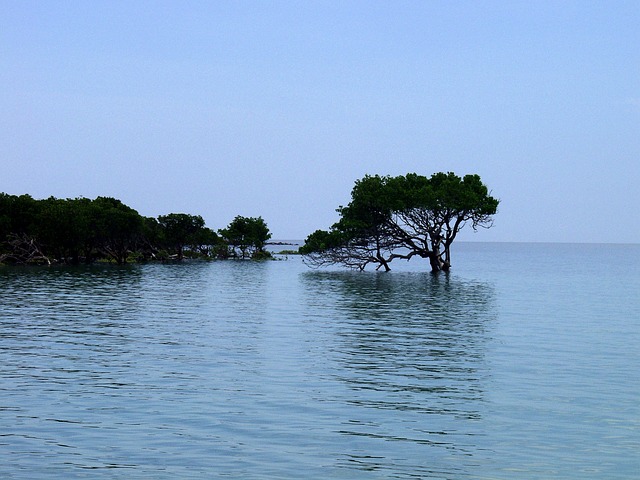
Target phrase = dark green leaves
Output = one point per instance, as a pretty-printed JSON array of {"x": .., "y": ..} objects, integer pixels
[
  {"x": 399, "y": 217},
  {"x": 246, "y": 237},
  {"x": 83, "y": 230}
]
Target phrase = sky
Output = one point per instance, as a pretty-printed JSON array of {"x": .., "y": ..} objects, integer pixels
[{"x": 275, "y": 108}]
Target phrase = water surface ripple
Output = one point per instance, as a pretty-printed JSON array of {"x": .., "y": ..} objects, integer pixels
[{"x": 500, "y": 370}]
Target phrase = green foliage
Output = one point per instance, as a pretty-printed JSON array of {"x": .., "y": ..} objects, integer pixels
[
  {"x": 246, "y": 237},
  {"x": 117, "y": 228},
  {"x": 74, "y": 230},
  {"x": 400, "y": 217},
  {"x": 180, "y": 230},
  {"x": 18, "y": 214},
  {"x": 62, "y": 228},
  {"x": 105, "y": 229},
  {"x": 261, "y": 255},
  {"x": 206, "y": 242},
  {"x": 322, "y": 240},
  {"x": 289, "y": 252}
]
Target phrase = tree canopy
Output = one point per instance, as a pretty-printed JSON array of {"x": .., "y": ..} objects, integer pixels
[
  {"x": 246, "y": 237},
  {"x": 402, "y": 217},
  {"x": 80, "y": 230},
  {"x": 180, "y": 230}
]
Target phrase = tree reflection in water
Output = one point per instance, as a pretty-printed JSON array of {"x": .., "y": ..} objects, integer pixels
[{"x": 409, "y": 347}]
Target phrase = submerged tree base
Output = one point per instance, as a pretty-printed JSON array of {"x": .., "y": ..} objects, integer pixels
[{"x": 392, "y": 218}]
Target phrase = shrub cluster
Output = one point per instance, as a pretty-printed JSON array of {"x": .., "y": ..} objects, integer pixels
[{"x": 80, "y": 230}]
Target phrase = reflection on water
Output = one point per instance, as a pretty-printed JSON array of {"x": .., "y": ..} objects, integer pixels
[
  {"x": 272, "y": 371},
  {"x": 240, "y": 369},
  {"x": 410, "y": 348}
]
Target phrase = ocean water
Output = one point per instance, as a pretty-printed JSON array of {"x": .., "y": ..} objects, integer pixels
[{"x": 522, "y": 363}]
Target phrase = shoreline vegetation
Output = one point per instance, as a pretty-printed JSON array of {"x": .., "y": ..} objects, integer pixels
[
  {"x": 77, "y": 231},
  {"x": 388, "y": 218}
]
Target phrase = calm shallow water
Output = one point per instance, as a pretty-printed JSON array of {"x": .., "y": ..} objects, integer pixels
[{"x": 522, "y": 363}]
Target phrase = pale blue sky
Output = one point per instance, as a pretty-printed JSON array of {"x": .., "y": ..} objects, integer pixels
[{"x": 275, "y": 108}]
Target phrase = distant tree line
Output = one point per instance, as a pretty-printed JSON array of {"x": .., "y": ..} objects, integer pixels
[{"x": 80, "y": 230}]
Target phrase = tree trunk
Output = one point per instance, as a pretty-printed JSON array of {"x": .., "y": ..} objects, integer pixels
[
  {"x": 383, "y": 263},
  {"x": 434, "y": 260},
  {"x": 447, "y": 255}
]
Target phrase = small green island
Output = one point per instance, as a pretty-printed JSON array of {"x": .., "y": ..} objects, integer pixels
[
  {"x": 80, "y": 230},
  {"x": 387, "y": 218}
]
